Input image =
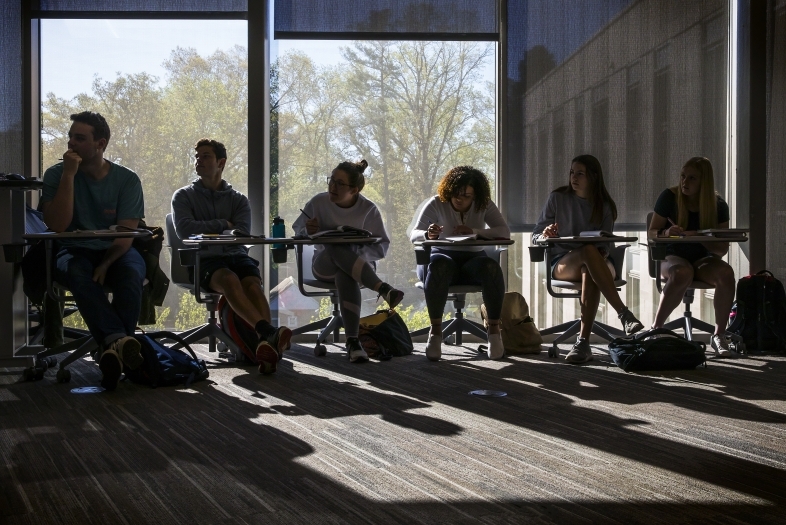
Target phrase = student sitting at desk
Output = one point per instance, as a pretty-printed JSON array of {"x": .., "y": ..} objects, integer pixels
[
  {"x": 584, "y": 205},
  {"x": 211, "y": 205},
  {"x": 88, "y": 192},
  {"x": 462, "y": 206},
  {"x": 348, "y": 264},
  {"x": 680, "y": 211}
]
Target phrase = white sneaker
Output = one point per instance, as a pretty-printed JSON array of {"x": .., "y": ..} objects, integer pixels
[
  {"x": 355, "y": 352},
  {"x": 721, "y": 346},
  {"x": 434, "y": 347},
  {"x": 496, "y": 349}
]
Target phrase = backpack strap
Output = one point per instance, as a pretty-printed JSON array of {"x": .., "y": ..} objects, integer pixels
[{"x": 165, "y": 334}]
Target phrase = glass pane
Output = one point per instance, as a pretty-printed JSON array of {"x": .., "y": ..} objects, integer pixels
[
  {"x": 162, "y": 85},
  {"x": 411, "y": 109}
]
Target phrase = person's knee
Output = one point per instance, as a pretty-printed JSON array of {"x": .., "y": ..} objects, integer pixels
[
  {"x": 589, "y": 251},
  {"x": 226, "y": 281},
  {"x": 441, "y": 268},
  {"x": 725, "y": 275},
  {"x": 680, "y": 274},
  {"x": 490, "y": 269}
]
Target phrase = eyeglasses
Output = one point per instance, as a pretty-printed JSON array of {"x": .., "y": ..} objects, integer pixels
[{"x": 337, "y": 183}]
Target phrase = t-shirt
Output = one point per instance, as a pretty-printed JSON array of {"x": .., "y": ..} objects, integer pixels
[
  {"x": 666, "y": 206},
  {"x": 98, "y": 204}
]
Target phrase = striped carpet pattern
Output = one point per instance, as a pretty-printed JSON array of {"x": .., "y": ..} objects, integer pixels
[{"x": 326, "y": 441}]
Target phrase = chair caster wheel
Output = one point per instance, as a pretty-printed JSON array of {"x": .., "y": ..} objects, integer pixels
[
  {"x": 63, "y": 375},
  {"x": 28, "y": 374},
  {"x": 553, "y": 351},
  {"x": 221, "y": 347},
  {"x": 450, "y": 340},
  {"x": 320, "y": 350}
]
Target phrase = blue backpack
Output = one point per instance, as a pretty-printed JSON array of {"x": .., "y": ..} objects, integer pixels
[{"x": 164, "y": 365}]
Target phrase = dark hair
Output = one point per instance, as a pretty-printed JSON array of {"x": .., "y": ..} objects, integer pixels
[
  {"x": 98, "y": 122},
  {"x": 218, "y": 149},
  {"x": 354, "y": 171},
  {"x": 462, "y": 176},
  {"x": 597, "y": 194}
]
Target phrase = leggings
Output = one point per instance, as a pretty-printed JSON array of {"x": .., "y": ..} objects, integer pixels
[
  {"x": 456, "y": 267},
  {"x": 344, "y": 267}
]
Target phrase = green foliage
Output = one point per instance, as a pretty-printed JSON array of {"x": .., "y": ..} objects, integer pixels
[
  {"x": 325, "y": 310},
  {"x": 416, "y": 319},
  {"x": 75, "y": 321},
  {"x": 190, "y": 313}
]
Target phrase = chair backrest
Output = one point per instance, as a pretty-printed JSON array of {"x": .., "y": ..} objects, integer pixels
[
  {"x": 308, "y": 256},
  {"x": 178, "y": 272}
]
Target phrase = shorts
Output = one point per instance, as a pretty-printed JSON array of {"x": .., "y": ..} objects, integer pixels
[
  {"x": 241, "y": 265},
  {"x": 556, "y": 258}
]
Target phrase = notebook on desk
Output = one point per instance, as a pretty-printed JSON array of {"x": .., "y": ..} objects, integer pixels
[
  {"x": 725, "y": 232},
  {"x": 342, "y": 231}
]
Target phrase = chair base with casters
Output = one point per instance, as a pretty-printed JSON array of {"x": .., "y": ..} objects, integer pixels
[
  {"x": 304, "y": 254},
  {"x": 181, "y": 258},
  {"x": 458, "y": 324},
  {"x": 571, "y": 328}
]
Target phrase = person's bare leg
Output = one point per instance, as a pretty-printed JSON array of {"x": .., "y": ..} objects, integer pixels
[
  {"x": 590, "y": 299},
  {"x": 678, "y": 274},
  {"x": 225, "y": 282},
  {"x": 718, "y": 273},
  {"x": 252, "y": 287},
  {"x": 569, "y": 268}
]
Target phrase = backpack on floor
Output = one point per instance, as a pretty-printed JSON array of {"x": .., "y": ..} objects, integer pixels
[
  {"x": 384, "y": 335},
  {"x": 658, "y": 349},
  {"x": 242, "y": 333},
  {"x": 164, "y": 365},
  {"x": 519, "y": 333},
  {"x": 758, "y": 315}
]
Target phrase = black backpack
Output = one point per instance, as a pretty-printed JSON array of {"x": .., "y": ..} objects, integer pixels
[
  {"x": 164, "y": 365},
  {"x": 758, "y": 315},
  {"x": 669, "y": 351}
]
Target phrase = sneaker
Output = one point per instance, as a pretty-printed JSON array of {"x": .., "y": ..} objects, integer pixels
[
  {"x": 267, "y": 357},
  {"x": 130, "y": 352},
  {"x": 720, "y": 344},
  {"x": 355, "y": 352},
  {"x": 581, "y": 352},
  {"x": 630, "y": 324},
  {"x": 496, "y": 349},
  {"x": 280, "y": 340},
  {"x": 392, "y": 296},
  {"x": 434, "y": 347},
  {"x": 111, "y": 367}
]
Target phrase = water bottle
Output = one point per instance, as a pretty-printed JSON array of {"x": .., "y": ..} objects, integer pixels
[{"x": 279, "y": 250}]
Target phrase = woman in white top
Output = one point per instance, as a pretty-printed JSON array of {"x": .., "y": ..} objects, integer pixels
[
  {"x": 346, "y": 264},
  {"x": 584, "y": 205},
  {"x": 462, "y": 206}
]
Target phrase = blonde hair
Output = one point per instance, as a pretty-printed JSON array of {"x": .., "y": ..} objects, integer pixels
[{"x": 708, "y": 197}]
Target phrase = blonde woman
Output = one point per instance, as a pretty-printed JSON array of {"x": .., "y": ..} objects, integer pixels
[{"x": 682, "y": 210}]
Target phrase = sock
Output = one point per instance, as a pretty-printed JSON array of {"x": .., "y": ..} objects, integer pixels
[{"x": 264, "y": 329}]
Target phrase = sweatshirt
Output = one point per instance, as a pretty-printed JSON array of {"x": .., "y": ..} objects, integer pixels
[
  {"x": 197, "y": 209},
  {"x": 572, "y": 215},
  {"x": 488, "y": 223},
  {"x": 363, "y": 214}
]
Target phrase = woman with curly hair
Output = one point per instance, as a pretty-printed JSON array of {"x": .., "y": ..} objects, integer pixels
[
  {"x": 584, "y": 204},
  {"x": 348, "y": 265},
  {"x": 462, "y": 206}
]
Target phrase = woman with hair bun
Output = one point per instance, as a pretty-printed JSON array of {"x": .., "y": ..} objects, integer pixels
[
  {"x": 348, "y": 265},
  {"x": 462, "y": 206}
]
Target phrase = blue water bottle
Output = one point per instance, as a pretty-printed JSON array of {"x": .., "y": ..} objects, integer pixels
[{"x": 279, "y": 250}]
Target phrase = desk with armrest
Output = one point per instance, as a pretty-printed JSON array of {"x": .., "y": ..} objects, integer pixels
[
  {"x": 656, "y": 247},
  {"x": 457, "y": 293},
  {"x": 303, "y": 252},
  {"x": 542, "y": 250}
]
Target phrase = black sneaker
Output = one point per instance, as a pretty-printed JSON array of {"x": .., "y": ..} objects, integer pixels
[
  {"x": 280, "y": 340},
  {"x": 630, "y": 324},
  {"x": 111, "y": 367},
  {"x": 392, "y": 296},
  {"x": 355, "y": 351},
  {"x": 580, "y": 353}
]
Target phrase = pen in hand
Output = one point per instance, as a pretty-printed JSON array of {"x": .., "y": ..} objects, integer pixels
[{"x": 304, "y": 213}]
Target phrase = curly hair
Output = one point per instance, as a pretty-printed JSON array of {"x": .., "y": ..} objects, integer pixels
[
  {"x": 219, "y": 150},
  {"x": 459, "y": 178},
  {"x": 354, "y": 171}
]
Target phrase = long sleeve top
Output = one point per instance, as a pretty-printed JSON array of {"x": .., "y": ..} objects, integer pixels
[
  {"x": 487, "y": 223},
  {"x": 572, "y": 215},
  {"x": 363, "y": 214},
  {"x": 198, "y": 210}
]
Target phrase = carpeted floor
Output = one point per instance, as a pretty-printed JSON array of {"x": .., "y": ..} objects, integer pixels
[{"x": 326, "y": 441}]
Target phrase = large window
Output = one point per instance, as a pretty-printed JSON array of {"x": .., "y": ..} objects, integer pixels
[
  {"x": 412, "y": 109},
  {"x": 162, "y": 85}
]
